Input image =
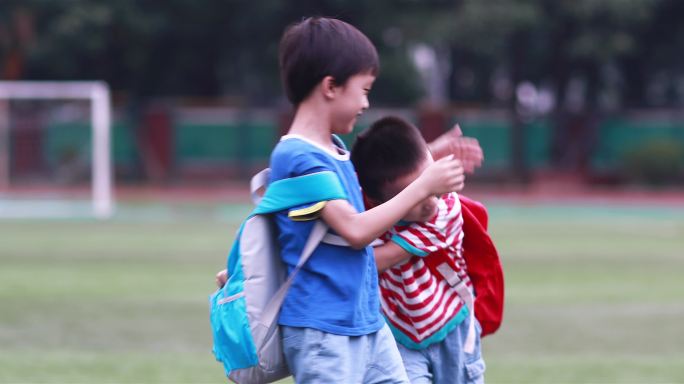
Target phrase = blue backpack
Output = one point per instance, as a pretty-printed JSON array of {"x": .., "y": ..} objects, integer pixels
[{"x": 244, "y": 312}]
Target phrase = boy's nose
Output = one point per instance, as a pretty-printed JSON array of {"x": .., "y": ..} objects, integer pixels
[{"x": 366, "y": 104}]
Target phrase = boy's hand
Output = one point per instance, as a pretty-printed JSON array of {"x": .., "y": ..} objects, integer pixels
[
  {"x": 466, "y": 149},
  {"x": 443, "y": 176},
  {"x": 221, "y": 278}
]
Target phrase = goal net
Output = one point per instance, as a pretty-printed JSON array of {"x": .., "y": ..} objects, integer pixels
[{"x": 55, "y": 155}]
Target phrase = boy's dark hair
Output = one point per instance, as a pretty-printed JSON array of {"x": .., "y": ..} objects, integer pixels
[
  {"x": 318, "y": 47},
  {"x": 390, "y": 148}
]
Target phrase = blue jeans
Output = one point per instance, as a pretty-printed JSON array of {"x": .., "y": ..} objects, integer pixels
[
  {"x": 446, "y": 362},
  {"x": 315, "y": 356}
]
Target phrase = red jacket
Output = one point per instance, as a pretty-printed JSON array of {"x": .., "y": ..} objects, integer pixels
[
  {"x": 482, "y": 261},
  {"x": 484, "y": 266}
]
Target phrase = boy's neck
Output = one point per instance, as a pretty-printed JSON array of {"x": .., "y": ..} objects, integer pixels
[{"x": 312, "y": 122}]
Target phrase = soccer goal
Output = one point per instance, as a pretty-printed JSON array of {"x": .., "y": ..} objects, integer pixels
[{"x": 55, "y": 155}]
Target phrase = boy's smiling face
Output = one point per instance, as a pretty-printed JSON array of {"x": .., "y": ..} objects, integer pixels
[
  {"x": 350, "y": 101},
  {"x": 426, "y": 209}
]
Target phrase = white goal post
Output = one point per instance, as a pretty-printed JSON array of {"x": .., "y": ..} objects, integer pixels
[{"x": 97, "y": 92}]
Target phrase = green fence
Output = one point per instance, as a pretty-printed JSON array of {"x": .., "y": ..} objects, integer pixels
[
  {"x": 66, "y": 141},
  {"x": 235, "y": 142},
  {"x": 620, "y": 138},
  {"x": 495, "y": 138},
  {"x": 249, "y": 142}
]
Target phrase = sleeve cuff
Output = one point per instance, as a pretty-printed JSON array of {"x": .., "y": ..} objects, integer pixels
[
  {"x": 311, "y": 212},
  {"x": 400, "y": 241}
]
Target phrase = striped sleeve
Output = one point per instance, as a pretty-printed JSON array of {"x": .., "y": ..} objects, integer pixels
[
  {"x": 419, "y": 239},
  {"x": 408, "y": 246}
]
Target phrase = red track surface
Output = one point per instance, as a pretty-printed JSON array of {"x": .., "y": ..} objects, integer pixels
[
  {"x": 239, "y": 192},
  {"x": 527, "y": 195}
]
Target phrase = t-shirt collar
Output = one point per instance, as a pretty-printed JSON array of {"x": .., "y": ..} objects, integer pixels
[{"x": 340, "y": 154}]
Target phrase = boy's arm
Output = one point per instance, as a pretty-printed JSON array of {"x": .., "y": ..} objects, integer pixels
[
  {"x": 360, "y": 229},
  {"x": 388, "y": 255},
  {"x": 466, "y": 149}
]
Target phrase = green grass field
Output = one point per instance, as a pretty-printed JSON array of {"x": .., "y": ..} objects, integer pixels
[{"x": 595, "y": 294}]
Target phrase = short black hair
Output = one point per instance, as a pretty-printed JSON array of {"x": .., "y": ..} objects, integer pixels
[
  {"x": 390, "y": 148},
  {"x": 318, "y": 47}
]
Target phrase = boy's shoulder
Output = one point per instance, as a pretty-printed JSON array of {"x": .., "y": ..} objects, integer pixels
[
  {"x": 294, "y": 157},
  {"x": 287, "y": 151},
  {"x": 292, "y": 145},
  {"x": 293, "y": 149},
  {"x": 287, "y": 146}
]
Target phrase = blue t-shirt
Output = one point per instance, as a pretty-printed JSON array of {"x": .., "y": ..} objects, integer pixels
[{"x": 336, "y": 291}]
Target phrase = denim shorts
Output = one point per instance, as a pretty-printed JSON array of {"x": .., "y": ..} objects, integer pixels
[
  {"x": 315, "y": 356},
  {"x": 446, "y": 362}
]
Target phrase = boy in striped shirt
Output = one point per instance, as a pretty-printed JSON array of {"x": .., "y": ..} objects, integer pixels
[{"x": 426, "y": 294}]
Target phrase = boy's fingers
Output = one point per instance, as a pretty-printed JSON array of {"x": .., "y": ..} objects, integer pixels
[
  {"x": 471, "y": 151},
  {"x": 446, "y": 158},
  {"x": 221, "y": 278},
  {"x": 456, "y": 165},
  {"x": 458, "y": 182}
]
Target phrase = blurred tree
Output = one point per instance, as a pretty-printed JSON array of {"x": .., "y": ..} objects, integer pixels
[
  {"x": 584, "y": 42},
  {"x": 654, "y": 72},
  {"x": 612, "y": 52},
  {"x": 586, "y": 57},
  {"x": 16, "y": 27},
  {"x": 176, "y": 47}
]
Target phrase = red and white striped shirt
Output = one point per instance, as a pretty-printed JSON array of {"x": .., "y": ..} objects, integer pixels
[{"x": 416, "y": 299}]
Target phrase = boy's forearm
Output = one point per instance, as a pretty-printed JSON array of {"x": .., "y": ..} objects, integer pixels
[
  {"x": 389, "y": 255},
  {"x": 360, "y": 229}
]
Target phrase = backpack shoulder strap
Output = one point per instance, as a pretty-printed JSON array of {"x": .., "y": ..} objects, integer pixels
[
  {"x": 295, "y": 191},
  {"x": 257, "y": 185},
  {"x": 271, "y": 310}
]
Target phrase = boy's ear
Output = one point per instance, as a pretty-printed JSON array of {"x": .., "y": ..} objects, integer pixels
[{"x": 328, "y": 86}]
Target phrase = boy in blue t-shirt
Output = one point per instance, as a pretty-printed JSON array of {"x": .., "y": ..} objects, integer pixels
[{"x": 332, "y": 327}]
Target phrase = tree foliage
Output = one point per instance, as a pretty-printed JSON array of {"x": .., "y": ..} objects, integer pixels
[{"x": 228, "y": 48}]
